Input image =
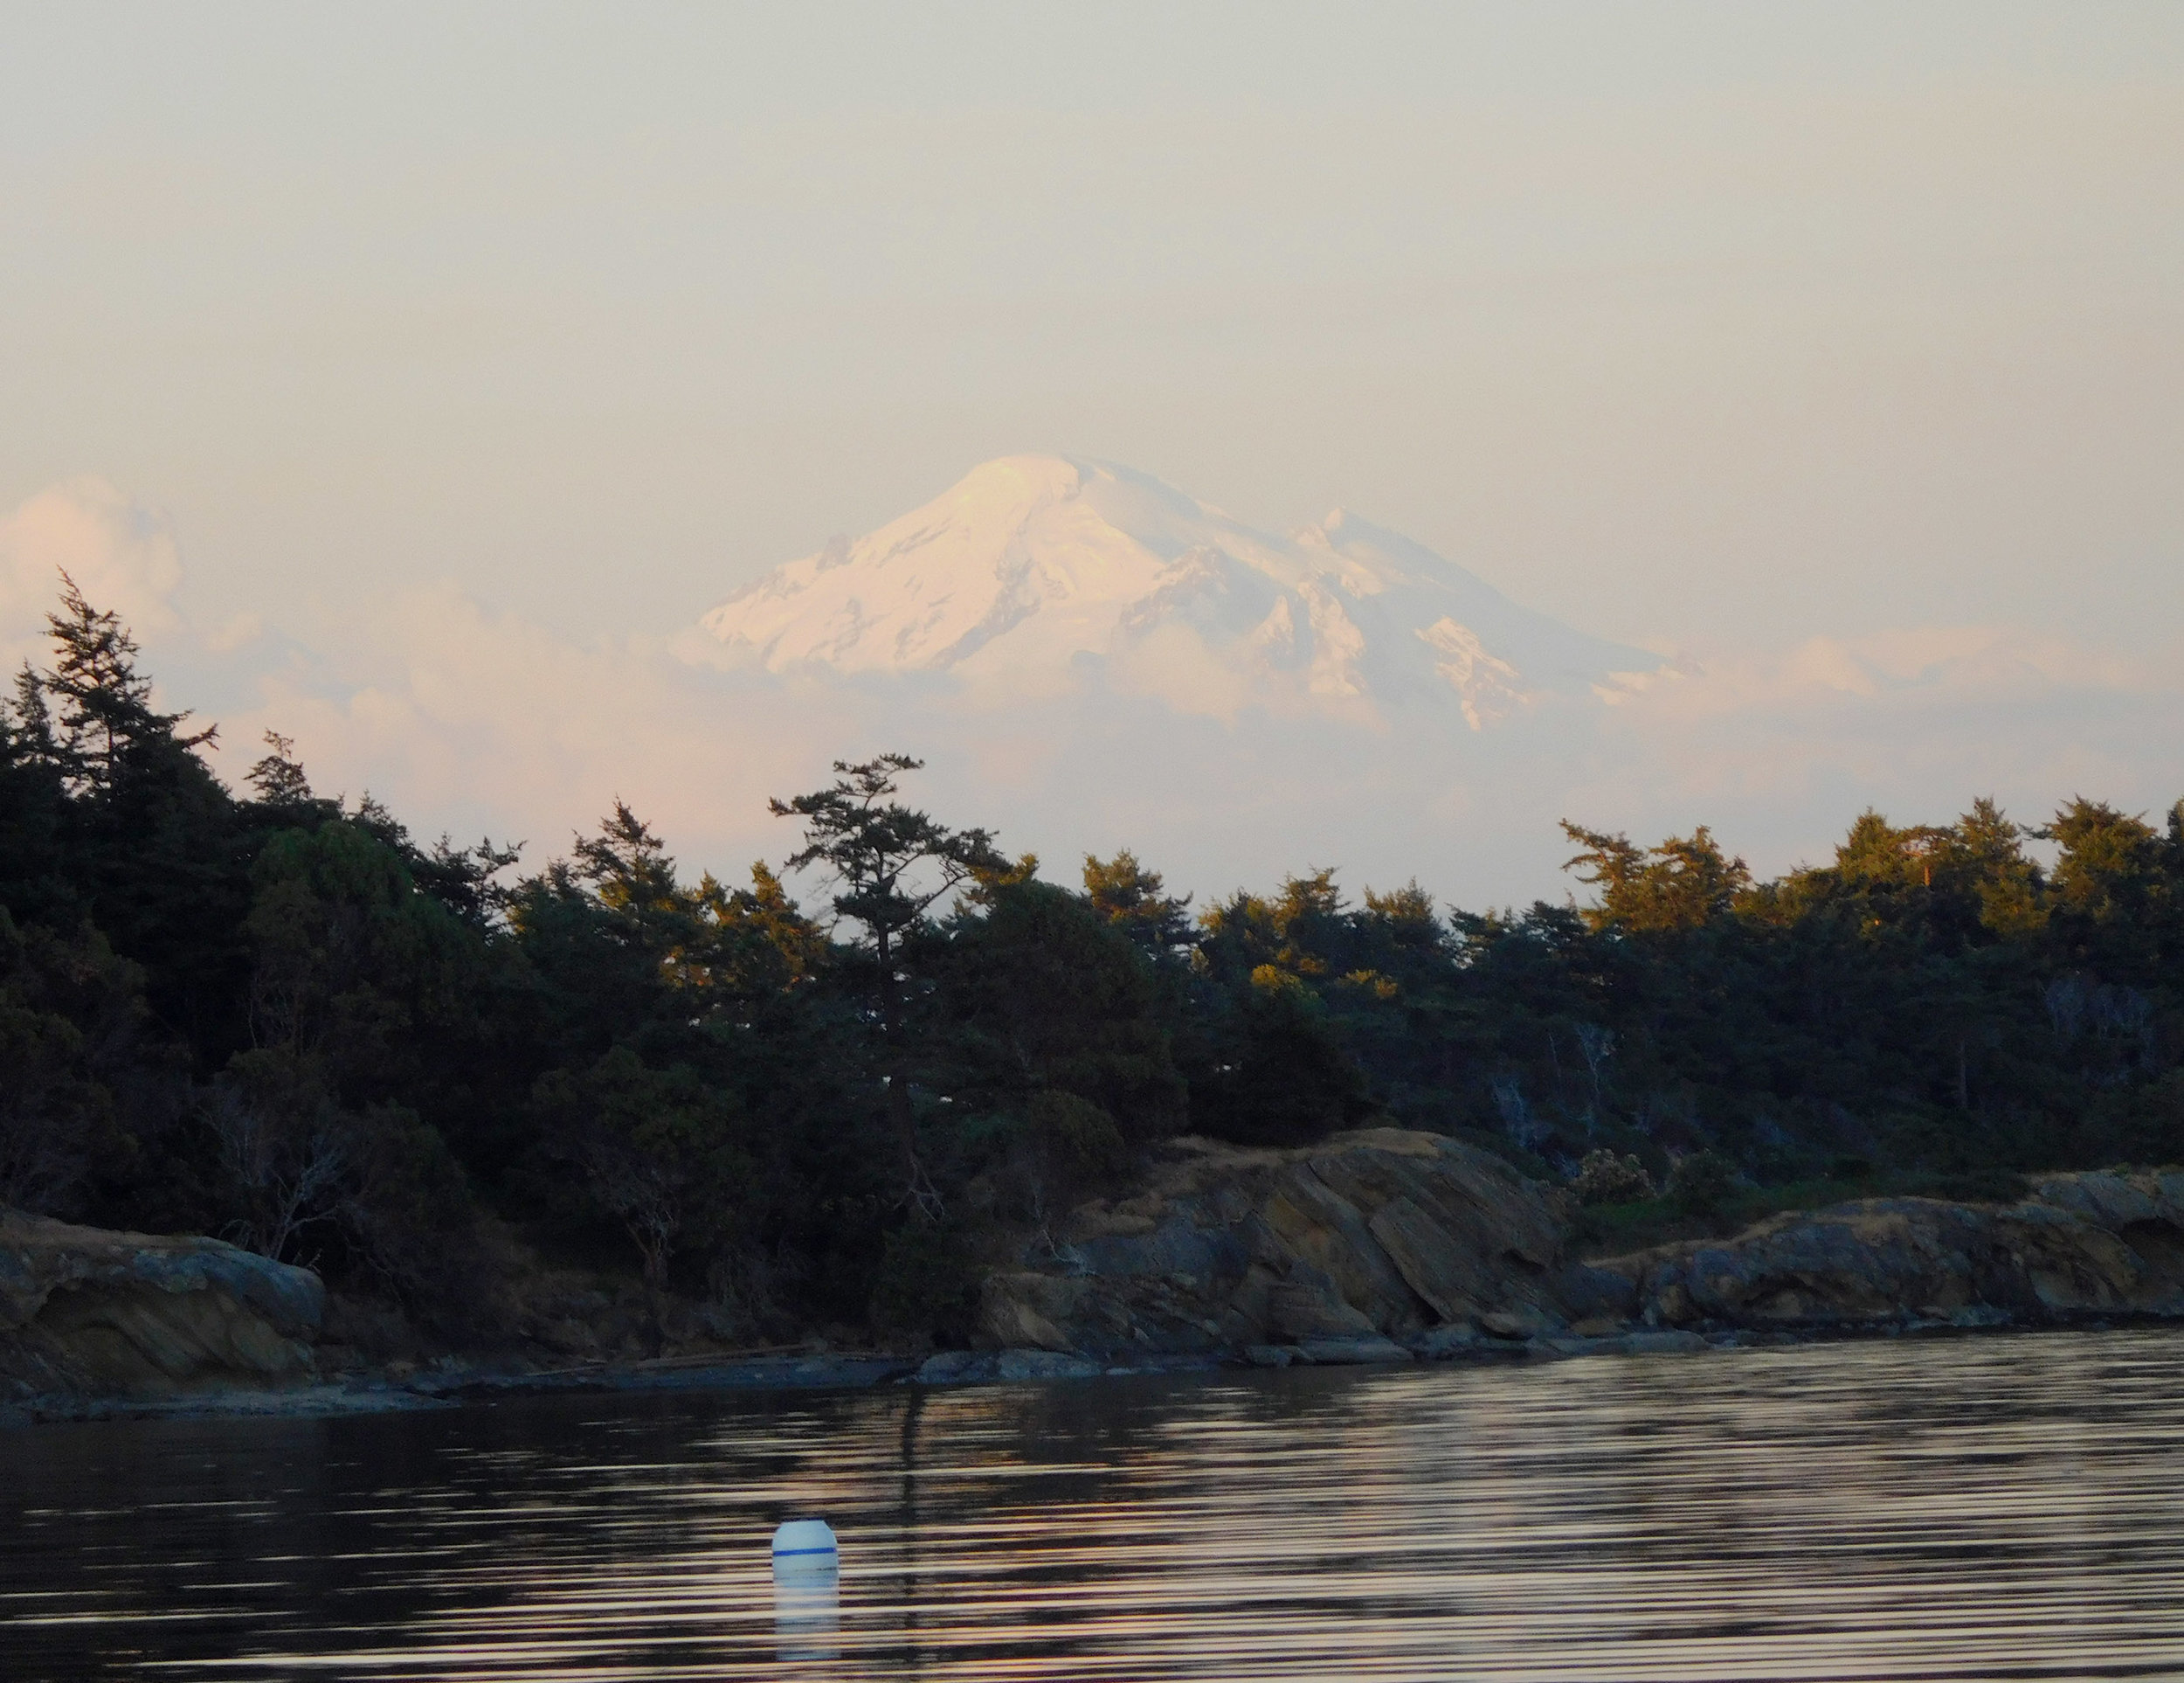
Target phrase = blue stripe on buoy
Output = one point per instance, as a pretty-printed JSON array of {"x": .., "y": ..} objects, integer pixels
[{"x": 798, "y": 1543}]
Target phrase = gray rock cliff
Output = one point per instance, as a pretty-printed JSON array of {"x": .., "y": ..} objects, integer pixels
[
  {"x": 85, "y": 1312},
  {"x": 1381, "y": 1243},
  {"x": 1373, "y": 1237},
  {"x": 2083, "y": 1244}
]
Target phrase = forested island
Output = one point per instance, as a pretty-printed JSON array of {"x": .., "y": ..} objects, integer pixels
[{"x": 486, "y": 1104}]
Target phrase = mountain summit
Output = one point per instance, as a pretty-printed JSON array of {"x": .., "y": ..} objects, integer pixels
[{"x": 1035, "y": 573}]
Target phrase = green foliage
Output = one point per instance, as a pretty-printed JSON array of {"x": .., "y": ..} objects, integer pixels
[
  {"x": 675, "y": 1093},
  {"x": 71, "y": 1016},
  {"x": 349, "y": 957},
  {"x": 1035, "y": 991},
  {"x": 1137, "y": 901},
  {"x": 661, "y": 1152},
  {"x": 1277, "y": 1073},
  {"x": 890, "y": 864},
  {"x": 1701, "y": 1183},
  {"x": 1684, "y": 883},
  {"x": 409, "y": 1216},
  {"x": 926, "y": 1287},
  {"x": 1077, "y": 1137},
  {"x": 1604, "y": 1178},
  {"x": 2136, "y": 1123}
]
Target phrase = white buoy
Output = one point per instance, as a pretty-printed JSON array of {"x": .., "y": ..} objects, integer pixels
[
  {"x": 806, "y": 1593},
  {"x": 805, "y": 1549}
]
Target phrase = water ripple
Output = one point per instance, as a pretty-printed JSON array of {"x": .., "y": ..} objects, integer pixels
[{"x": 1991, "y": 1508}]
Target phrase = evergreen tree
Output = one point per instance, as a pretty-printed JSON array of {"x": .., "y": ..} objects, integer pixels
[
  {"x": 153, "y": 840},
  {"x": 890, "y": 865},
  {"x": 1136, "y": 902},
  {"x": 36, "y": 878},
  {"x": 1684, "y": 883}
]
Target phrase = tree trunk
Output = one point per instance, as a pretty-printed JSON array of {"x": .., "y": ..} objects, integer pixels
[{"x": 924, "y": 1197}]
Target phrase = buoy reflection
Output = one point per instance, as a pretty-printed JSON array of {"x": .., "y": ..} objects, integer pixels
[{"x": 807, "y": 1613}]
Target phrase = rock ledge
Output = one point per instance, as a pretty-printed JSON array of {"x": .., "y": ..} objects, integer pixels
[
  {"x": 1385, "y": 1244},
  {"x": 87, "y": 1312}
]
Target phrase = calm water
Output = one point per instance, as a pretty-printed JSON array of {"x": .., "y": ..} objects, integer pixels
[{"x": 2005, "y": 1508}]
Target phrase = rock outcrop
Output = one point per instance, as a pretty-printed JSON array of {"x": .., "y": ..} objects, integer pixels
[
  {"x": 88, "y": 1313},
  {"x": 1361, "y": 1246},
  {"x": 1384, "y": 1243},
  {"x": 2082, "y": 1244}
]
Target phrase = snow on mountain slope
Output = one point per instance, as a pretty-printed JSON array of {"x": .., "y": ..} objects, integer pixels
[{"x": 1035, "y": 572}]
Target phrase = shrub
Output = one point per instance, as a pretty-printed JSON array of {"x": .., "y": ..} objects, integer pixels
[
  {"x": 1701, "y": 1183},
  {"x": 1078, "y": 1139},
  {"x": 1604, "y": 1178}
]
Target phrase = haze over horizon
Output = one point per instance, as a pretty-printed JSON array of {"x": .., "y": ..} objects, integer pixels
[{"x": 418, "y": 402}]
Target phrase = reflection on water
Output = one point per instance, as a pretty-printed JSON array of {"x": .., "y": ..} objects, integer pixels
[
  {"x": 2003, "y": 1508},
  {"x": 807, "y": 1616}
]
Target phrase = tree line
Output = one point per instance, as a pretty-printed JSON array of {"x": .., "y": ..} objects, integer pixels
[{"x": 279, "y": 1017}]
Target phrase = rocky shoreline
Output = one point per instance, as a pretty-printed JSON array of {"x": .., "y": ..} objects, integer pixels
[
  {"x": 1381, "y": 1245},
  {"x": 1421, "y": 1241},
  {"x": 88, "y": 1315}
]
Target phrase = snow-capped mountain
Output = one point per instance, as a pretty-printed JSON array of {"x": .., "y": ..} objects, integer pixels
[{"x": 1040, "y": 574}]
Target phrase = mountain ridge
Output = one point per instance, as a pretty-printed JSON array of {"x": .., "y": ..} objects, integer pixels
[{"x": 1030, "y": 569}]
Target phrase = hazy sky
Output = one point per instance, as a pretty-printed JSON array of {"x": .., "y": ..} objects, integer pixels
[
  {"x": 1709, "y": 327},
  {"x": 1686, "y": 322}
]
